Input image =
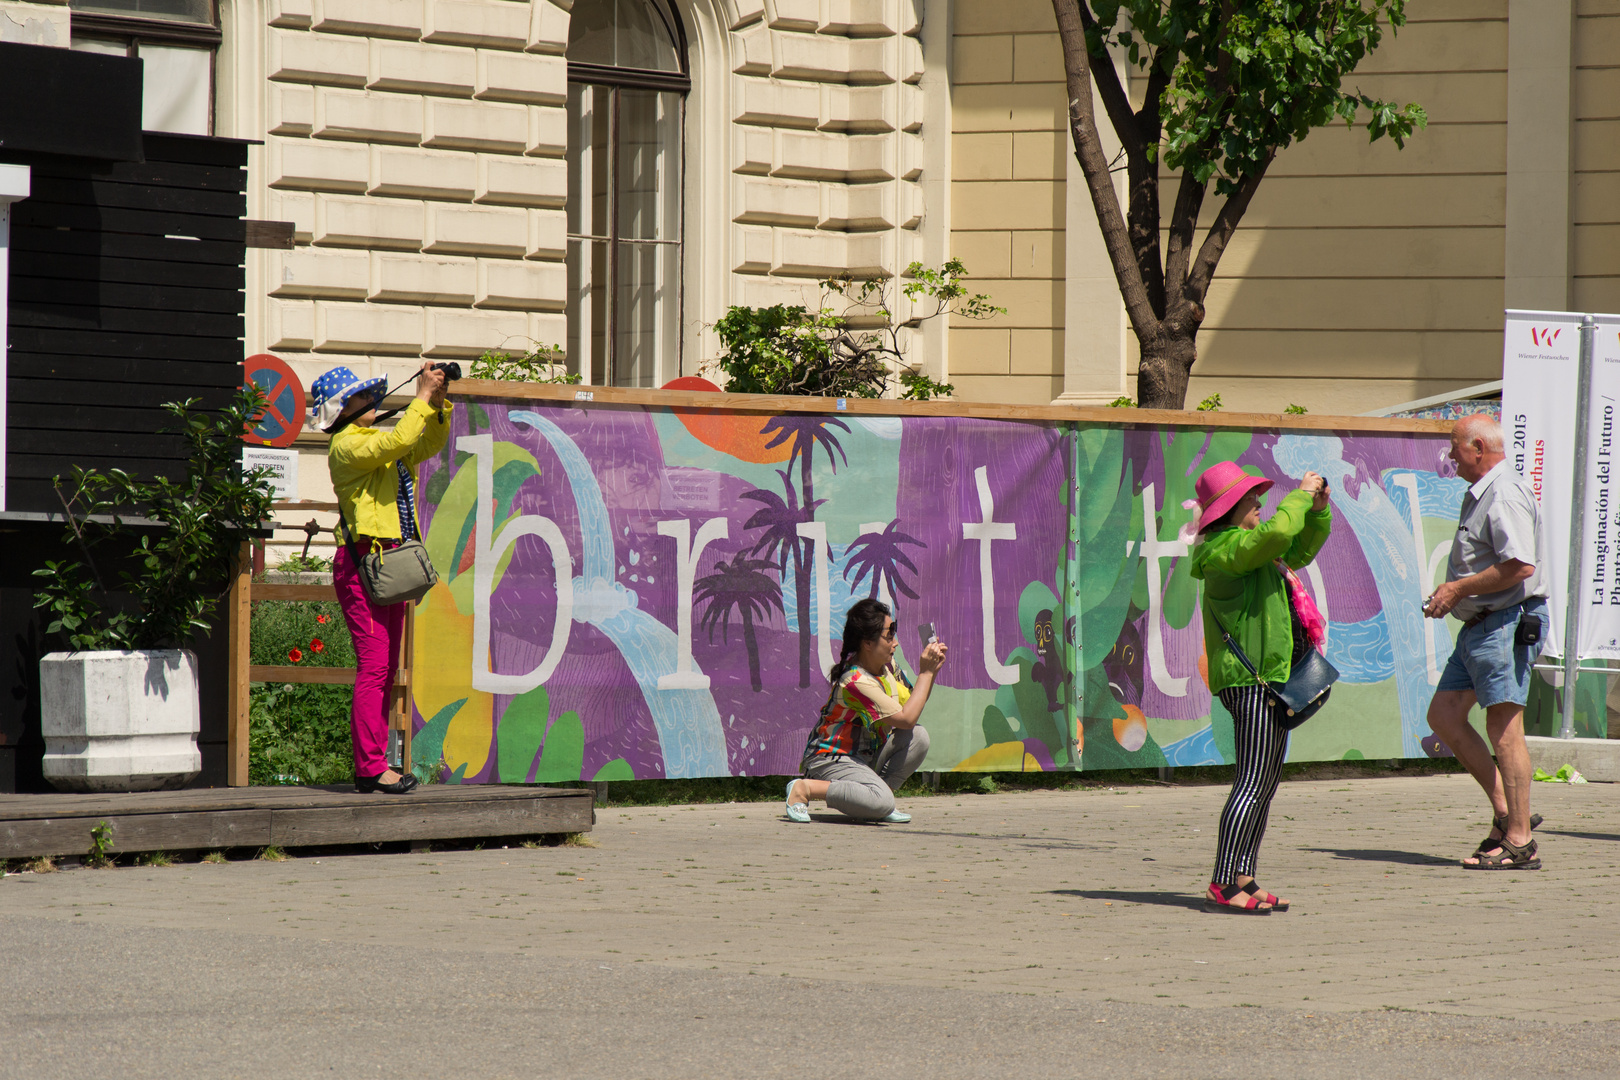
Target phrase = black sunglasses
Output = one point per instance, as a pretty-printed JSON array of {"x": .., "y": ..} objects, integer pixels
[{"x": 892, "y": 632}]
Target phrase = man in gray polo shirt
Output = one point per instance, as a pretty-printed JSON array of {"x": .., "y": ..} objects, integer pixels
[{"x": 1493, "y": 584}]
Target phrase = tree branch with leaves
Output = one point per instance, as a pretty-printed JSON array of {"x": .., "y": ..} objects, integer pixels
[{"x": 1227, "y": 84}]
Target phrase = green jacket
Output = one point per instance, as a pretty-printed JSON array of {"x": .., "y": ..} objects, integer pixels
[{"x": 1250, "y": 595}]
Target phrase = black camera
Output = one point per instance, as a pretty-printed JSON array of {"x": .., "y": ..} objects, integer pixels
[{"x": 451, "y": 369}]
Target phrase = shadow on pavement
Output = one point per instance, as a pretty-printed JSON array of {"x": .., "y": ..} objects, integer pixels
[
  {"x": 1581, "y": 835},
  {"x": 1163, "y": 899},
  {"x": 1410, "y": 858}
]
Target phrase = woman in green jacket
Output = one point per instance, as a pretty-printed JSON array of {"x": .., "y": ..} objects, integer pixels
[{"x": 1247, "y": 568}]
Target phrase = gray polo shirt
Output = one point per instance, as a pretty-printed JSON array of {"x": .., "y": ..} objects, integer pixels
[{"x": 1499, "y": 521}]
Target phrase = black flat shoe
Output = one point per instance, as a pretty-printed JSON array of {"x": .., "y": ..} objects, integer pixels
[{"x": 365, "y": 785}]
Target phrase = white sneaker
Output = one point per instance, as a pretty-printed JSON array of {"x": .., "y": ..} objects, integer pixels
[
  {"x": 899, "y": 817},
  {"x": 798, "y": 811}
]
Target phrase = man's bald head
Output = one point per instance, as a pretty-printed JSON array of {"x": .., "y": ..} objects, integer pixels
[
  {"x": 1481, "y": 427},
  {"x": 1476, "y": 445}
]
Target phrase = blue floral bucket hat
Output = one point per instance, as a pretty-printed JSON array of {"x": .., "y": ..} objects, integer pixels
[{"x": 333, "y": 390}]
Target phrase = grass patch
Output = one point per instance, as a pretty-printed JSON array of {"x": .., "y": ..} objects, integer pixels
[
  {"x": 154, "y": 858},
  {"x": 578, "y": 839},
  {"x": 273, "y": 854},
  {"x": 214, "y": 857}
]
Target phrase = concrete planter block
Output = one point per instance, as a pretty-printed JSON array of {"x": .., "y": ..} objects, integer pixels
[
  {"x": 1596, "y": 759},
  {"x": 120, "y": 721}
]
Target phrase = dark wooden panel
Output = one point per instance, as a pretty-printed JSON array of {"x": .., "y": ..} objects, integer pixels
[
  {"x": 195, "y": 149},
  {"x": 28, "y": 476},
  {"x": 66, "y": 192},
  {"x": 104, "y": 351},
  {"x": 151, "y": 172},
  {"x": 385, "y": 819},
  {"x": 49, "y": 266},
  {"x": 70, "y": 417},
  {"x": 270, "y": 234},
  {"x": 87, "y": 444},
  {"x": 48, "y": 215},
  {"x": 28, "y": 290},
  {"x": 268, "y": 590},
  {"x": 98, "y": 391},
  {"x": 63, "y": 804},
  {"x": 78, "y": 103},
  {"x": 189, "y": 324},
  {"x": 157, "y": 248}
]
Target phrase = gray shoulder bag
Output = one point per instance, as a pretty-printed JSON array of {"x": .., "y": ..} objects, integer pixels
[{"x": 394, "y": 575}]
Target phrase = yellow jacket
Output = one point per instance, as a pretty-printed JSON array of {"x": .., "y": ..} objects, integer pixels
[{"x": 361, "y": 461}]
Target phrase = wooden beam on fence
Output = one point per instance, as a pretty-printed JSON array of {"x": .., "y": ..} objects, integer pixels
[
  {"x": 1083, "y": 414},
  {"x": 325, "y": 676},
  {"x": 238, "y": 608},
  {"x": 265, "y": 590}
]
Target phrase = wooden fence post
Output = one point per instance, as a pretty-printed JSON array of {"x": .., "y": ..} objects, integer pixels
[{"x": 238, "y": 611}]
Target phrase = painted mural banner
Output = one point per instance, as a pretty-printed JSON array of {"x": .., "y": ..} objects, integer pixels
[{"x": 642, "y": 590}]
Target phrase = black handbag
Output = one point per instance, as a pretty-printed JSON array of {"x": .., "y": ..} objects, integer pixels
[{"x": 1309, "y": 682}]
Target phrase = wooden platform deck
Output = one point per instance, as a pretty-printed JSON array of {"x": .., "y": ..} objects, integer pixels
[{"x": 213, "y": 818}]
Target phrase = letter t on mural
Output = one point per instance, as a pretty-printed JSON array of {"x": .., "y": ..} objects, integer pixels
[
  {"x": 1154, "y": 549},
  {"x": 687, "y": 552},
  {"x": 487, "y": 551},
  {"x": 816, "y": 532},
  {"x": 986, "y": 531}
]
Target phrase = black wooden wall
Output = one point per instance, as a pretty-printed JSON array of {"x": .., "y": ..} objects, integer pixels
[{"x": 126, "y": 292}]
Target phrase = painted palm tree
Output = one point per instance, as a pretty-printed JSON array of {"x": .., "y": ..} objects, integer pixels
[
  {"x": 781, "y": 543},
  {"x": 882, "y": 554},
  {"x": 740, "y": 586},
  {"x": 803, "y": 433}
]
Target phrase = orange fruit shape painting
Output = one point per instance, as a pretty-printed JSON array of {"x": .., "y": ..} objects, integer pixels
[{"x": 737, "y": 434}]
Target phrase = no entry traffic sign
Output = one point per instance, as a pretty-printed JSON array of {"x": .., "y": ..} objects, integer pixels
[{"x": 284, "y": 419}]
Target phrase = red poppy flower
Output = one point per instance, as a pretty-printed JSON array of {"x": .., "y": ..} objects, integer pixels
[
  {"x": 295, "y": 655},
  {"x": 320, "y": 618},
  {"x": 316, "y": 645}
]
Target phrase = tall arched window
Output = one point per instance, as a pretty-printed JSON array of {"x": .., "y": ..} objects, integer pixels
[{"x": 627, "y": 85}]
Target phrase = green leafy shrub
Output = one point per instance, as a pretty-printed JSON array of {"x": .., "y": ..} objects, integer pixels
[
  {"x": 541, "y": 364},
  {"x": 177, "y": 574},
  {"x": 1210, "y": 404},
  {"x": 1295, "y": 410},
  {"x": 789, "y": 349},
  {"x": 1122, "y": 403}
]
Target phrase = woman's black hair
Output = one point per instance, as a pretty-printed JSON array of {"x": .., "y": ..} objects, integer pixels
[{"x": 863, "y": 623}]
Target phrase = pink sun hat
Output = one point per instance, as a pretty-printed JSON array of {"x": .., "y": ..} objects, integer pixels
[{"x": 1220, "y": 487}]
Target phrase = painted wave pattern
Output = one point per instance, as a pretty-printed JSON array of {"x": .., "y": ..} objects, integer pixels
[{"x": 1361, "y": 650}]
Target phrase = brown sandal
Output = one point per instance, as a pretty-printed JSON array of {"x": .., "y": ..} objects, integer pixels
[{"x": 1511, "y": 857}]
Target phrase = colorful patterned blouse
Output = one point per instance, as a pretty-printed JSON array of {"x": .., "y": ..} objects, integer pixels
[{"x": 851, "y": 722}]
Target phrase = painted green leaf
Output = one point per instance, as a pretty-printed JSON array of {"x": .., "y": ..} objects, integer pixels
[
  {"x": 564, "y": 755},
  {"x": 427, "y": 745},
  {"x": 617, "y": 769},
  {"x": 996, "y": 728},
  {"x": 522, "y": 729}
]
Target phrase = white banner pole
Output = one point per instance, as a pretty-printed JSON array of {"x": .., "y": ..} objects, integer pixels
[{"x": 1577, "y": 528}]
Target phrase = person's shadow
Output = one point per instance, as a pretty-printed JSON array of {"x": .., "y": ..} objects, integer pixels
[
  {"x": 1162, "y": 899},
  {"x": 1408, "y": 858}
]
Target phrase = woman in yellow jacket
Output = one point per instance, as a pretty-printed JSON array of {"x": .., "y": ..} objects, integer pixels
[{"x": 372, "y": 473}]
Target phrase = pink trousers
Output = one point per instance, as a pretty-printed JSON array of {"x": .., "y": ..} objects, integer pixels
[{"x": 376, "y": 632}]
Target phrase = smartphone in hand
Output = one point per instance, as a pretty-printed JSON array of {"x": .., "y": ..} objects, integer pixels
[{"x": 926, "y": 632}]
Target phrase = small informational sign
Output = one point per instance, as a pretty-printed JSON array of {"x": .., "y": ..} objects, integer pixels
[
  {"x": 283, "y": 466},
  {"x": 284, "y": 419}
]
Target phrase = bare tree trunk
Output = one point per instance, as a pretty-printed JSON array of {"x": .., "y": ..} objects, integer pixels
[{"x": 1161, "y": 382}]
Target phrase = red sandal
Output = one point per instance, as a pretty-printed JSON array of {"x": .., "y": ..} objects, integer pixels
[
  {"x": 1264, "y": 897},
  {"x": 1233, "y": 900}
]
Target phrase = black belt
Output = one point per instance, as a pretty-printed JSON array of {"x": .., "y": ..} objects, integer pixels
[{"x": 1482, "y": 616}]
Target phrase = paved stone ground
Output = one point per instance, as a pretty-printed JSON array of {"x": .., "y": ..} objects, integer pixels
[{"x": 1024, "y": 931}]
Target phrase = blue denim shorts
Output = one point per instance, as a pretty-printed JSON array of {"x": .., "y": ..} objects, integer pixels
[{"x": 1487, "y": 661}]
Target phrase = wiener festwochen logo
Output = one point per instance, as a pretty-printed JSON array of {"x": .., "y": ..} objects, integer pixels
[{"x": 1544, "y": 335}]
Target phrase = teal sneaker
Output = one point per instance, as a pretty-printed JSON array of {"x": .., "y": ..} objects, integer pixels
[
  {"x": 798, "y": 811},
  {"x": 898, "y": 817}
]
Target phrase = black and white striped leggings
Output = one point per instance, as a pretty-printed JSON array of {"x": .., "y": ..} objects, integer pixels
[{"x": 1261, "y": 745}]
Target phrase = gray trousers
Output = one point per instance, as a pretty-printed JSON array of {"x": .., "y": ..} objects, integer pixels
[{"x": 867, "y": 791}]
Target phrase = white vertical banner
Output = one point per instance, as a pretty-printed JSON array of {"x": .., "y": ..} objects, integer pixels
[
  {"x": 1600, "y": 576},
  {"x": 1540, "y": 377}
]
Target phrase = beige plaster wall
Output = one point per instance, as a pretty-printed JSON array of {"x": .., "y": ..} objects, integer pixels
[
  {"x": 1596, "y": 152},
  {"x": 1009, "y": 143}
]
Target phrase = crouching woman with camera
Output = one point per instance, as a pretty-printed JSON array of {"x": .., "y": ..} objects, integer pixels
[
  {"x": 868, "y": 741},
  {"x": 373, "y": 476}
]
